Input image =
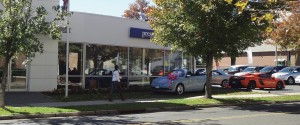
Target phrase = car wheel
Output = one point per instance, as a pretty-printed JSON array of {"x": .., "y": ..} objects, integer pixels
[
  {"x": 290, "y": 81},
  {"x": 251, "y": 85},
  {"x": 179, "y": 89},
  {"x": 279, "y": 85},
  {"x": 224, "y": 82}
]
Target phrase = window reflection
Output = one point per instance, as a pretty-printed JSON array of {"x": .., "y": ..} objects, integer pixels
[
  {"x": 154, "y": 62},
  {"x": 75, "y": 62},
  {"x": 136, "y": 65},
  {"x": 100, "y": 62}
]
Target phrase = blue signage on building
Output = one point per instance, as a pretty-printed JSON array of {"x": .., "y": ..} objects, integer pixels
[{"x": 141, "y": 33}]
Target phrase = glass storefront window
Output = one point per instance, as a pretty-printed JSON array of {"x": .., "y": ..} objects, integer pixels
[
  {"x": 178, "y": 60},
  {"x": 154, "y": 62},
  {"x": 18, "y": 72},
  {"x": 75, "y": 62},
  {"x": 136, "y": 69},
  {"x": 136, "y": 65},
  {"x": 100, "y": 62}
]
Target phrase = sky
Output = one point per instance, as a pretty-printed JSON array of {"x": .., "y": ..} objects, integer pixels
[{"x": 104, "y": 7}]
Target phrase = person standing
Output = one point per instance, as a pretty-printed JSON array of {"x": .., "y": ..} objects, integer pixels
[{"x": 116, "y": 83}]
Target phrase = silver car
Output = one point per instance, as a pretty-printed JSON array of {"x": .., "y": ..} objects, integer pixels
[
  {"x": 219, "y": 77},
  {"x": 288, "y": 74},
  {"x": 179, "y": 81}
]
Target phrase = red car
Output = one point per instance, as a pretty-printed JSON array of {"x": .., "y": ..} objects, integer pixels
[{"x": 256, "y": 80}]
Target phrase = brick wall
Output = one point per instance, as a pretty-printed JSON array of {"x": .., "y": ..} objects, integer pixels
[{"x": 261, "y": 59}]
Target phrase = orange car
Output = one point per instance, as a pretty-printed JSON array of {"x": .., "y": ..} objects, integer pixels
[{"x": 255, "y": 80}]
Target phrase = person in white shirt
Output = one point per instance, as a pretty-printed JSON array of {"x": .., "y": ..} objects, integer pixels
[{"x": 116, "y": 83}]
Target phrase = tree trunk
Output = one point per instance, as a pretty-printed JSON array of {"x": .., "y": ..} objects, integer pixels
[
  {"x": 4, "y": 82},
  {"x": 209, "y": 64},
  {"x": 233, "y": 60}
]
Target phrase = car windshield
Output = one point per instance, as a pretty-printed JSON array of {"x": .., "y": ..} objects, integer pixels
[
  {"x": 266, "y": 69},
  {"x": 232, "y": 69},
  {"x": 249, "y": 69},
  {"x": 287, "y": 69}
]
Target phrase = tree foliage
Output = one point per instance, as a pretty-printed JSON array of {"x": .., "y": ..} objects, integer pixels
[
  {"x": 286, "y": 31},
  {"x": 20, "y": 26},
  {"x": 205, "y": 29},
  {"x": 138, "y": 10}
]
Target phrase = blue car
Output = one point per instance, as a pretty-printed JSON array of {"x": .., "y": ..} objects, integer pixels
[{"x": 179, "y": 81}]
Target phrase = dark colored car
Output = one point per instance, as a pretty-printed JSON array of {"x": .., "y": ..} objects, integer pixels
[
  {"x": 235, "y": 69},
  {"x": 269, "y": 70}
]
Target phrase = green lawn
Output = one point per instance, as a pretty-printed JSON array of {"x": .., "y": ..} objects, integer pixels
[{"x": 167, "y": 103}]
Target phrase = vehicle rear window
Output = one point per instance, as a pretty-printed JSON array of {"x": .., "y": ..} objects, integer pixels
[
  {"x": 287, "y": 69},
  {"x": 266, "y": 69}
]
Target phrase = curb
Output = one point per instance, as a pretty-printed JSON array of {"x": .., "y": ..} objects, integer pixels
[{"x": 127, "y": 111}]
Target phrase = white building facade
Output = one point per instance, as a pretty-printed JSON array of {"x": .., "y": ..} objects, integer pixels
[{"x": 97, "y": 44}]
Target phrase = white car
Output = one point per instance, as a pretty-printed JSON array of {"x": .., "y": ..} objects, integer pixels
[
  {"x": 297, "y": 80},
  {"x": 288, "y": 74},
  {"x": 250, "y": 69}
]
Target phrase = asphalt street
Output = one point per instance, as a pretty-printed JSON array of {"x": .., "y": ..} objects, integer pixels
[{"x": 268, "y": 114}]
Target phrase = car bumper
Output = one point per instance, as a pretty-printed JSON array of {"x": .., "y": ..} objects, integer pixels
[{"x": 297, "y": 81}]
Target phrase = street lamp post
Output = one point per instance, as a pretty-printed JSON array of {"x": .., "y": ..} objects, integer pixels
[{"x": 67, "y": 7}]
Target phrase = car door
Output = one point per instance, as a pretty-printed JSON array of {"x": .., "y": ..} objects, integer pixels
[
  {"x": 196, "y": 83},
  {"x": 262, "y": 80},
  {"x": 267, "y": 81},
  {"x": 184, "y": 78},
  {"x": 216, "y": 77}
]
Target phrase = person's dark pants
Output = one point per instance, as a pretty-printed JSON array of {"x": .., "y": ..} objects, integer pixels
[{"x": 115, "y": 84}]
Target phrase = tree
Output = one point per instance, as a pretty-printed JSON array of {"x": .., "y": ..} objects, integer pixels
[
  {"x": 206, "y": 29},
  {"x": 287, "y": 27},
  {"x": 138, "y": 10},
  {"x": 20, "y": 26}
]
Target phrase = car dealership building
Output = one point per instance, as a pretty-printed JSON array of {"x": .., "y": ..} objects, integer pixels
[{"x": 98, "y": 42}]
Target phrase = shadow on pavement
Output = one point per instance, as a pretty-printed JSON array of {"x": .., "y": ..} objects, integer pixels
[{"x": 25, "y": 98}]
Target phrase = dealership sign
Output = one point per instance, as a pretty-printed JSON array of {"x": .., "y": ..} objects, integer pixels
[{"x": 141, "y": 33}]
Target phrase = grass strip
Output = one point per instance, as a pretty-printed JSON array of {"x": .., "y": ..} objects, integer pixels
[{"x": 166, "y": 103}]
